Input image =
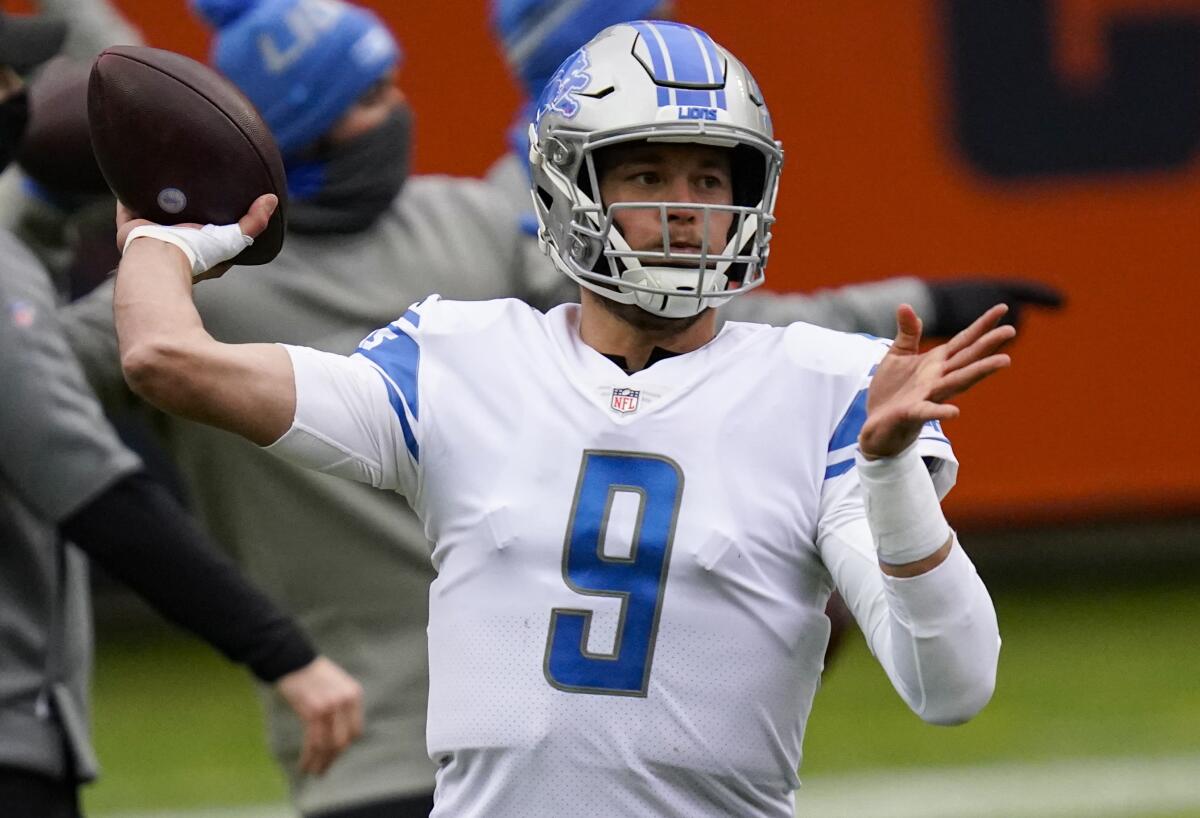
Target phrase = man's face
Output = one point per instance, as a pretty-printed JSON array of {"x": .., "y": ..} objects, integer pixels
[
  {"x": 664, "y": 172},
  {"x": 371, "y": 109}
]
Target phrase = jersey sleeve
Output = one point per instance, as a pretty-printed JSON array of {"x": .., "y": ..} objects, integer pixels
[
  {"x": 932, "y": 443},
  {"x": 934, "y": 634},
  {"x": 358, "y": 416}
]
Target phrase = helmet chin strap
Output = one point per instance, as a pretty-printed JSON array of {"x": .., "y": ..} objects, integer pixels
[
  {"x": 667, "y": 280},
  {"x": 664, "y": 304}
]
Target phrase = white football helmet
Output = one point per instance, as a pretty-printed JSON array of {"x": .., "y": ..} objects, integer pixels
[{"x": 658, "y": 82}]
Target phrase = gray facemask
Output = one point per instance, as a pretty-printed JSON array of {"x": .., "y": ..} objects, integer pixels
[{"x": 353, "y": 183}]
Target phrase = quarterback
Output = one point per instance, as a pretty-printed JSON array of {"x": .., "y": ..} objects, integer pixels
[{"x": 637, "y": 518}]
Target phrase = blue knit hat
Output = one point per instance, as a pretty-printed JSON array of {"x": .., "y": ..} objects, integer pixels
[
  {"x": 302, "y": 63},
  {"x": 538, "y": 35}
]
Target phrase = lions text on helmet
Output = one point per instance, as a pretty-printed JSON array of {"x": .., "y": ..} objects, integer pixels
[{"x": 655, "y": 170}]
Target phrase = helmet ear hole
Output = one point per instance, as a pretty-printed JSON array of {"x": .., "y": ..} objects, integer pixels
[
  {"x": 749, "y": 169},
  {"x": 546, "y": 197}
]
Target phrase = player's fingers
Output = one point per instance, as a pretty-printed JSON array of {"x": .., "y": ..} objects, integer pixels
[
  {"x": 341, "y": 730},
  {"x": 313, "y": 759},
  {"x": 356, "y": 717},
  {"x": 963, "y": 379},
  {"x": 908, "y": 330},
  {"x": 124, "y": 214},
  {"x": 975, "y": 331},
  {"x": 989, "y": 343},
  {"x": 256, "y": 218}
]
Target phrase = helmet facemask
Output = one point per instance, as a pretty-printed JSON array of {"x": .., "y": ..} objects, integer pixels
[{"x": 670, "y": 283}]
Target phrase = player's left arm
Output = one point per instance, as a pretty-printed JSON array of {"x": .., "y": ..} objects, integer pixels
[{"x": 926, "y": 614}]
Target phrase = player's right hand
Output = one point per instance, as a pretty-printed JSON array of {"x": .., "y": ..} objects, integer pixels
[
  {"x": 252, "y": 224},
  {"x": 329, "y": 703}
]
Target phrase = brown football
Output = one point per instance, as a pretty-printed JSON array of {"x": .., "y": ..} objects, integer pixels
[{"x": 177, "y": 142}]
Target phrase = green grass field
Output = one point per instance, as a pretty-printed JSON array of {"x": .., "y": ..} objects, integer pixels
[{"x": 1085, "y": 674}]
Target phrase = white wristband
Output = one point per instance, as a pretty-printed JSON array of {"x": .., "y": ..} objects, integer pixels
[
  {"x": 205, "y": 248},
  {"x": 903, "y": 511}
]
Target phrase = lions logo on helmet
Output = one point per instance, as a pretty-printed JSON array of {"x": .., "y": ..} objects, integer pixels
[
  {"x": 662, "y": 82},
  {"x": 559, "y": 94}
]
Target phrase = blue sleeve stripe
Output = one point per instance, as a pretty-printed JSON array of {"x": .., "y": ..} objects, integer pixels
[
  {"x": 400, "y": 359},
  {"x": 851, "y": 424},
  {"x": 412, "y": 318},
  {"x": 839, "y": 468},
  {"x": 410, "y": 440}
]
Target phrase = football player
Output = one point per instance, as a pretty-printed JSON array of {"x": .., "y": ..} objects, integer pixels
[{"x": 637, "y": 518}]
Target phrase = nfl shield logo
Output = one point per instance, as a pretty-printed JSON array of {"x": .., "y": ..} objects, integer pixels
[{"x": 625, "y": 400}]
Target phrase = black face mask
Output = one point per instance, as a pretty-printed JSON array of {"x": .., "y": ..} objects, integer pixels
[
  {"x": 359, "y": 179},
  {"x": 14, "y": 116}
]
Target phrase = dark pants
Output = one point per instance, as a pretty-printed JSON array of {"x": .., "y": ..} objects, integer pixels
[
  {"x": 26, "y": 794},
  {"x": 418, "y": 806}
]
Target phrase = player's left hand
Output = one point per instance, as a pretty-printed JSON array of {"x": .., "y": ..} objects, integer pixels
[
  {"x": 910, "y": 387},
  {"x": 329, "y": 702}
]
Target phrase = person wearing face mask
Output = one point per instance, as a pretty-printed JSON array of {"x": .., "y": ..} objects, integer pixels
[
  {"x": 364, "y": 240},
  {"x": 70, "y": 488}
]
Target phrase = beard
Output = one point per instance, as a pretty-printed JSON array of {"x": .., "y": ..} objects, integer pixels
[{"x": 657, "y": 327}]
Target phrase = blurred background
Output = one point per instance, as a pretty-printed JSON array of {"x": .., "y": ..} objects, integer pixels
[{"x": 1048, "y": 139}]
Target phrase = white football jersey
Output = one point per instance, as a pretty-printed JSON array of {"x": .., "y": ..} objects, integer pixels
[{"x": 628, "y": 617}]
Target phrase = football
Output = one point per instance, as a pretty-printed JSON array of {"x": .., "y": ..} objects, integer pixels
[{"x": 178, "y": 143}]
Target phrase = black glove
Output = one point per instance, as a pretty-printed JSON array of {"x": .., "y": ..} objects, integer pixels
[{"x": 958, "y": 302}]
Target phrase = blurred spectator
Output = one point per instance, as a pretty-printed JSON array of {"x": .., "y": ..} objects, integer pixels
[{"x": 65, "y": 476}]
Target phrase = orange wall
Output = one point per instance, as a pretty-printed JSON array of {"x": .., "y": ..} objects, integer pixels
[{"x": 1094, "y": 419}]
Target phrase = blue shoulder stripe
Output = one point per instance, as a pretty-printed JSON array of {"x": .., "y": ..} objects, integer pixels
[
  {"x": 400, "y": 358},
  {"x": 410, "y": 440},
  {"x": 851, "y": 423}
]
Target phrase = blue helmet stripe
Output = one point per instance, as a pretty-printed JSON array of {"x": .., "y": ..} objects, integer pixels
[
  {"x": 689, "y": 97},
  {"x": 712, "y": 66},
  {"x": 684, "y": 55},
  {"x": 656, "y": 59}
]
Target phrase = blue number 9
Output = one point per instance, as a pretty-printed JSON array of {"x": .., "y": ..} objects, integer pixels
[{"x": 638, "y": 580}]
